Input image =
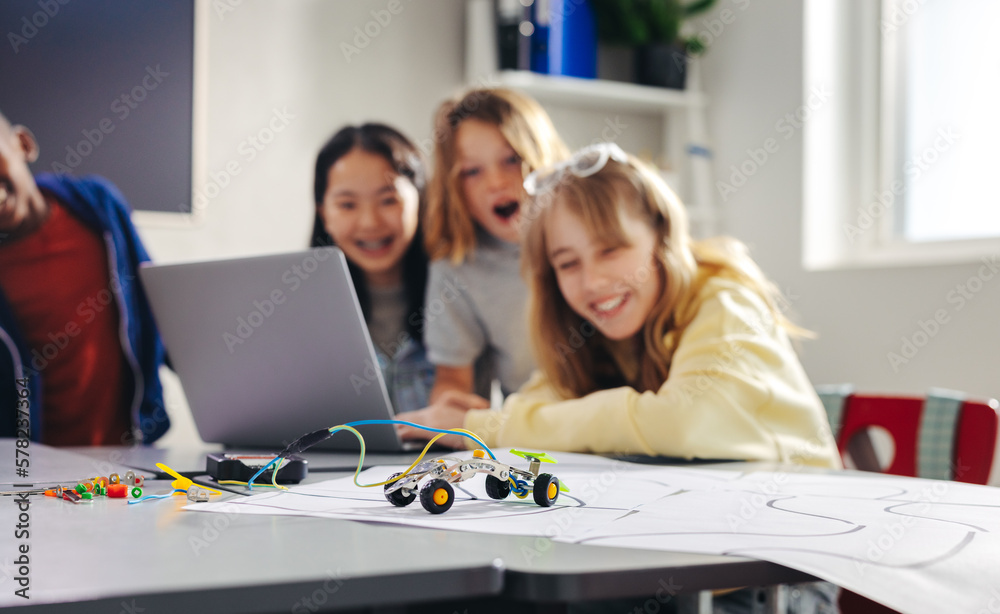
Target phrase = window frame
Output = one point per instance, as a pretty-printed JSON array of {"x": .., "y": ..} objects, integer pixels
[{"x": 851, "y": 159}]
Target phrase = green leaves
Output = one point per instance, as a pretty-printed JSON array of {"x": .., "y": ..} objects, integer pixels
[{"x": 642, "y": 22}]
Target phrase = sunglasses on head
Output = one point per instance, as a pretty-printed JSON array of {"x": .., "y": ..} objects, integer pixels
[{"x": 584, "y": 163}]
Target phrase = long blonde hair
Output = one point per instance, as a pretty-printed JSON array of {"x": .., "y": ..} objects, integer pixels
[
  {"x": 449, "y": 231},
  {"x": 599, "y": 201}
]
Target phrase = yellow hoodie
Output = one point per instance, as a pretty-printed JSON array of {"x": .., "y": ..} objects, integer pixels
[{"x": 736, "y": 390}]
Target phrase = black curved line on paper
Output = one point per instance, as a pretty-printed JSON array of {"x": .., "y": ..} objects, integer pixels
[
  {"x": 662, "y": 533},
  {"x": 890, "y": 510},
  {"x": 772, "y": 502},
  {"x": 902, "y": 491},
  {"x": 941, "y": 557},
  {"x": 528, "y": 512},
  {"x": 342, "y": 497}
]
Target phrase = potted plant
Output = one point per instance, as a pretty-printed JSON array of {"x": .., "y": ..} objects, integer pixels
[{"x": 653, "y": 29}]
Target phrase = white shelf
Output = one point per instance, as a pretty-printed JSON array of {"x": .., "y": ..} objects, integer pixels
[{"x": 596, "y": 93}]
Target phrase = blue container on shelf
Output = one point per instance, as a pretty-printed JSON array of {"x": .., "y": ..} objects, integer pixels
[{"x": 564, "y": 41}]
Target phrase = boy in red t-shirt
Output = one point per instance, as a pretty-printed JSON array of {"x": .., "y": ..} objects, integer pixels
[{"x": 73, "y": 320}]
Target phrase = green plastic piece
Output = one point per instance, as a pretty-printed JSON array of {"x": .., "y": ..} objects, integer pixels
[
  {"x": 80, "y": 488},
  {"x": 541, "y": 456},
  {"x": 563, "y": 487},
  {"x": 86, "y": 495},
  {"x": 136, "y": 492}
]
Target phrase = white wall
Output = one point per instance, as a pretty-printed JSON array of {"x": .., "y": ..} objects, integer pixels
[
  {"x": 261, "y": 57},
  {"x": 753, "y": 75},
  {"x": 266, "y": 55}
]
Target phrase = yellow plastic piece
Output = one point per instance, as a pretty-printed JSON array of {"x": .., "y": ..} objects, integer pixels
[
  {"x": 478, "y": 454},
  {"x": 553, "y": 490},
  {"x": 182, "y": 483},
  {"x": 440, "y": 496}
]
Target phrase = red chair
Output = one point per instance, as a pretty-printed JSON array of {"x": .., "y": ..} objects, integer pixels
[{"x": 941, "y": 436}]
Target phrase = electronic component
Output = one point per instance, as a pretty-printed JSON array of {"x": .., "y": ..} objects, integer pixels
[{"x": 242, "y": 467}]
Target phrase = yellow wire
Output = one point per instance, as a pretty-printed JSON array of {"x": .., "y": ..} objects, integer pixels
[
  {"x": 274, "y": 475},
  {"x": 415, "y": 462},
  {"x": 361, "y": 457},
  {"x": 405, "y": 471}
]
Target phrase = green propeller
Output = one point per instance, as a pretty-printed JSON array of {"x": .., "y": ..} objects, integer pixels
[{"x": 539, "y": 456}]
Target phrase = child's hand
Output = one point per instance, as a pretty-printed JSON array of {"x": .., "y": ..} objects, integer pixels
[
  {"x": 448, "y": 412},
  {"x": 461, "y": 400}
]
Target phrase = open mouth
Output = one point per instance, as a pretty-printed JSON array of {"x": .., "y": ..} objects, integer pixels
[
  {"x": 376, "y": 245},
  {"x": 507, "y": 210},
  {"x": 611, "y": 307}
]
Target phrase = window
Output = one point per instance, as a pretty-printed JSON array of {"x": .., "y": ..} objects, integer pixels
[
  {"x": 900, "y": 168},
  {"x": 947, "y": 74}
]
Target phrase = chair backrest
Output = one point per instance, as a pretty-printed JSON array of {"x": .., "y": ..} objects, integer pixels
[{"x": 940, "y": 436}]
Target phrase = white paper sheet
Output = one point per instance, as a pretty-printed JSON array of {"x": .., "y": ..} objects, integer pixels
[{"x": 919, "y": 546}]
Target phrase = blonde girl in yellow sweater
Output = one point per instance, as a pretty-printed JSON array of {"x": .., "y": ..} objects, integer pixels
[{"x": 647, "y": 341}]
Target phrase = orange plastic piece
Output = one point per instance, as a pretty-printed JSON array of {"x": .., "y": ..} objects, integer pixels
[
  {"x": 478, "y": 454},
  {"x": 440, "y": 496},
  {"x": 117, "y": 491}
]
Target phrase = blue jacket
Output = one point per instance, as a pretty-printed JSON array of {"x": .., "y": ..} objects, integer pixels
[{"x": 99, "y": 205}]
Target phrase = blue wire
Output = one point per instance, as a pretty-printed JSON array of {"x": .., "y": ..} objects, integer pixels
[
  {"x": 426, "y": 428},
  {"x": 364, "y": 422},
  {"x": 262, "y": 470},
  {"x": 147, "y": 497}
]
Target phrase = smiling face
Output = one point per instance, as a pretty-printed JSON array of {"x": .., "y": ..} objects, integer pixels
[
  {"x": 491, "y": 177},
  {"x": 371, "y": 211},
  {"x": 614, "y": 286},
  {"x": 21, "y": 203}
]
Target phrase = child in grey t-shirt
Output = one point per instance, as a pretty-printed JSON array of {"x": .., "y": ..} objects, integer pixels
[
  {"x": 475, "y": 315},
  {"x": 474, "y": 311}
]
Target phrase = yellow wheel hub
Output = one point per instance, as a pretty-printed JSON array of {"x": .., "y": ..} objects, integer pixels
[
  {"x": 553, "y": 490},
  {"x": 440, "y": 496}
]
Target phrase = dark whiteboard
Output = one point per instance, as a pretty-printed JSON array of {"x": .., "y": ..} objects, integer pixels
[{"x": 106, "y": 86}]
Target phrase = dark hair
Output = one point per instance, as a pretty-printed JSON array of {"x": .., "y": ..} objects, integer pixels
[{"x": 406, "y": 160}]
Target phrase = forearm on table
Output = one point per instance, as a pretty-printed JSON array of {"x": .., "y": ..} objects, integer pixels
[
  {"x": 678, "y": 420},
  {"x": 451, "y": 378}
]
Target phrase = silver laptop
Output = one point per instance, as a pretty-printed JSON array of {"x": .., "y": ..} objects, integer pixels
[{"x": 270, "y": 348}]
